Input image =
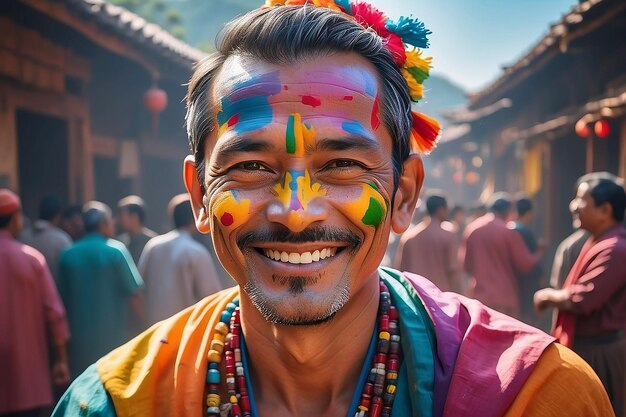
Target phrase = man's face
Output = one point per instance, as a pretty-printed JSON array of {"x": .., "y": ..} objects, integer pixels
[
  {"x": 584, "y": 210},
  {"x": 107, "y": 227},
  {"x": 299, "y": 182},
  {"x": 124, "y": 220}
]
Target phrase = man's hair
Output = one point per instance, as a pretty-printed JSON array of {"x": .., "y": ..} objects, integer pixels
[
  {"x": 134, "y": 204},
  {"x": 50, "y": 207},
  {"x": 94, "y": 212},
  {"x": 286, "y": 35},
  {"x": 5, "y": 220},
  {"x": 182, "y": 214},
  {"x": 434, "y": 203},
  {"x": 609, "y": 191},
  {"x": 523, "y": 206},
  {"x": 71, "y": 211},
  {"x": 500, "y": 203}
]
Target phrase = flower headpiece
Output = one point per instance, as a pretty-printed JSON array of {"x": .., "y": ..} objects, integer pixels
[{"x": 404, "y": 39}]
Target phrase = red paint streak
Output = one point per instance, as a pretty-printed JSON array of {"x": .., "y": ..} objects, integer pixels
[
  {"x": 311, "y": 101},
  {"x": 286, "y": 87},
  {"x": 375, "y": 116},
  {"x": 227, "y": 219},
  {"x": 348, "y": 98},
  {"x": 233, "y": 120}
]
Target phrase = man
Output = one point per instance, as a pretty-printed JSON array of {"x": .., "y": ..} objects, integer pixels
[
  {"x": 592, "y": 302},
  {"x": 430, "y": 249},
  {"x": 131, "y": 219},
  {"x": 457, "y": 218},
  {"x": 177, "y": 270},
  {"x": 530, "y": 282},
  {"x": 98, "y": 281},
  {"x": 31, "y": 314},
  {"x": 72, "y": 221},
  {"x": 46, "y": 236},
  {"x": 300, "y": 127},
  {"x": 493, "y": 256}
]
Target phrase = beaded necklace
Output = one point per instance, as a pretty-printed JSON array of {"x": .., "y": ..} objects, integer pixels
[{"x": 378, "y": 392}]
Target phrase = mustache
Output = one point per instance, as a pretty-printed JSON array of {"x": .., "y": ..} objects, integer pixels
[{"x": 311, "y": 234}]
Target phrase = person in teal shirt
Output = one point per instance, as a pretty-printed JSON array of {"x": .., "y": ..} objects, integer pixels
[{"x": 99, "y": 283}]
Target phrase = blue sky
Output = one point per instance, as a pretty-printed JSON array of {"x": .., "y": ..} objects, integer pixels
[{"x": 473, "y": 39}]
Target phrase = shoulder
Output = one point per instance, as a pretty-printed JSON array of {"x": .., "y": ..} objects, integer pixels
[
  {"x": 85, "y": 397},
  {"x": 34, "y": 257},
  {"x": 561, "y": 384}
]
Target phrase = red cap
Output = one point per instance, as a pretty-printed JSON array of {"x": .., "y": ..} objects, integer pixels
[{"x": 9, "y": 202}]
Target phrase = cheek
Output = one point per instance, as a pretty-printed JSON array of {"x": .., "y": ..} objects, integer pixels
[
  {"x": 230, "y": 210},
  {"x": 370, "y": 208}
]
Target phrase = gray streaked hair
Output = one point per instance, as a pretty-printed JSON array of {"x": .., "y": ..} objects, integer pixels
[{"x": 288, "y": 34}]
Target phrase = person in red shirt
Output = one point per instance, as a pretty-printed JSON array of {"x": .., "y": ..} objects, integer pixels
[
  {"x": 30, "y": 309},
  {"x": 494, "y": 256},
  {"x": 592, "y": 301}
]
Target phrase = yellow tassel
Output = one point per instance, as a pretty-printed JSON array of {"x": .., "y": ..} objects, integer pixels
[
  {"x": 416, "y": 90},
  {"x": 414, "y": 59}
]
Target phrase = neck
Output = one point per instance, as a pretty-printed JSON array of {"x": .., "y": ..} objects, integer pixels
[
  {"x": 602, "y": 229},
  {"x": 310, "y": 370}
]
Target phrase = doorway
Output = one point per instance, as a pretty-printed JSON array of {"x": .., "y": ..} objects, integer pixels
[{"x": 42, "y": 147}]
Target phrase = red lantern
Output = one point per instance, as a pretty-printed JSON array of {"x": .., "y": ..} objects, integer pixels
[
  {"x": 155, "y": 101},
  {"x": 582, "y": 129},
  {"x": 602, "y": 128},
  {"x": 472, "y": 177}
]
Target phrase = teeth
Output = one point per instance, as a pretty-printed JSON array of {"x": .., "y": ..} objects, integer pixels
[{"x": 300, "y": 258}]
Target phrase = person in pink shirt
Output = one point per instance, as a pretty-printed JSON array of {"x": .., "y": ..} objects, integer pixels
[
  {"x": 494, "y": 256},
  {"x": 30, "y": 309},
  {"x": 430, "y": 248}
]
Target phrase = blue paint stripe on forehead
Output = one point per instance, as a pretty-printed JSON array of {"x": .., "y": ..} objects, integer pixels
[{"x": 355, "y": 128}]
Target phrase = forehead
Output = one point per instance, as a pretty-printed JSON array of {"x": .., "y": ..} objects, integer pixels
[
  {"x": 339, "y": 85},
  {"x": 583, "y": 190}
]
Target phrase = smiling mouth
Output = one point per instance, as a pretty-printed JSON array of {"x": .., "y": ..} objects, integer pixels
[{"x": 300, "y": 258}]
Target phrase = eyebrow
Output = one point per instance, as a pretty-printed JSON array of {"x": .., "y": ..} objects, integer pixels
[
  {"x": 351, "y": 143},
  {"x": 243, "y": 145}
]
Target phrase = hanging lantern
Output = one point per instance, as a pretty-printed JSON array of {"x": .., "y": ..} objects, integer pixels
[
  {"x": 472, "y": 177},
  {"x": 582, "y": 129},
  {"x": 601, "y": 128},
  {"x": 155, "y": 100}
]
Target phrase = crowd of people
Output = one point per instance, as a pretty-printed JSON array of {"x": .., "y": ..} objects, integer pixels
[{"x": 69, "y": 282}]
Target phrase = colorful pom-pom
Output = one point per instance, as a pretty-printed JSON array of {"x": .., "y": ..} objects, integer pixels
[
  {"x": 370, "y": 17},
  {"x": 412, "y": 31},
  {"x": 425, "y": 133},
  {"x": 395, "y": 45}
]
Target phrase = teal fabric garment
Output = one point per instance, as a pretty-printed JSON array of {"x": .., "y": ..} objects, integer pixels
[
  {"x": 97, "y": 276},
  {"x": 86, "y": 397},
  {"x": 416, "y": 379}
]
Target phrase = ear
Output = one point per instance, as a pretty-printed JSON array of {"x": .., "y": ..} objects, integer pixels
[
  {"x": 408, "y": 192},
  {"x": 190, "y": 177}
]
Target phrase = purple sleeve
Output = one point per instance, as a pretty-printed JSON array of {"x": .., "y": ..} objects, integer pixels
[
  {"x": 53, "y": 306},
  {"x": 604, "y": 277},
  {"x": 523, "y": 260}
]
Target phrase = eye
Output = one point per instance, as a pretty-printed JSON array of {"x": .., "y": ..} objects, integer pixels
[
  {"x": 252, "y": 166},
  {"x": 343, "y": 164}
]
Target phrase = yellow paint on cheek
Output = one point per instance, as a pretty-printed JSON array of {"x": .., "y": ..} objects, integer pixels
[
  {"x": 370, "y": 208},
  {"x": 232, "y": 211}
]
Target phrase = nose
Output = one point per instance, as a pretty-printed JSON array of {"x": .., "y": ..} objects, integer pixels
[
  {"x": 573, "y": 206},
  {"x": 299, "y": 202}
]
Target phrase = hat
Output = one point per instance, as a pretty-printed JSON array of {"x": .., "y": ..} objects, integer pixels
[{"x": 9, "y": 202}]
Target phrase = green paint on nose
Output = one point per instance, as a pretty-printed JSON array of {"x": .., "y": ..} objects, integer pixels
[
  {"x": 374, "y": 214},
  {"x": 291, "y": 135}
]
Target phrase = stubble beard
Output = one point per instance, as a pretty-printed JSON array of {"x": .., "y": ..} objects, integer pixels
[{"x": 299, "y": 306}]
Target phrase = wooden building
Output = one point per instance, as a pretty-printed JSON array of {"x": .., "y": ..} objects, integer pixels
[
  {"x": 519, "y": 134},
  {"x": 73, "y": 76}
]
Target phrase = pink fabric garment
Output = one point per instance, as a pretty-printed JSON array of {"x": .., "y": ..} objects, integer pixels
[
  {"x": 493, "y": 255},
  {"x": 597, "y": 287},
  {"x": 30, "y": 308},
  {"x": 430, "y": 249},
  {"x": 483, "y": 357}
]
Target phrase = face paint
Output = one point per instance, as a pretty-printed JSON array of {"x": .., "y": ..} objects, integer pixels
[
  {"x": 311, "y": 101},
  {"x": 231, "y": 211},
  {"x": 296, "y": 192},
  {"x": 247, "y": 107},
  {"x": 370, "y": 208},
  {"x": 298, "y": 135},
  {"x": 375, "y": 115},
  {"x": 355, "y": 128}
]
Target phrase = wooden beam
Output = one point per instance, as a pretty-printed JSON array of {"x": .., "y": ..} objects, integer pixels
[
  {"x": 622, "y": 148},
  {"x": 91, "y": 31}
]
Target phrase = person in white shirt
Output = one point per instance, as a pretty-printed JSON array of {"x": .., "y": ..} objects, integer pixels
[{"x": 177, "y": 270}]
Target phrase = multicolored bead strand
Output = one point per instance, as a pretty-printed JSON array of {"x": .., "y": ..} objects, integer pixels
[
  {"x": 378, "y": 392},
  {"x": 380, "y": 389}
]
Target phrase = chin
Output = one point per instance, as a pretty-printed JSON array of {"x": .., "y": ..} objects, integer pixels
[{"x": 297, "y": 300}]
